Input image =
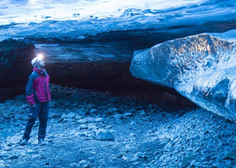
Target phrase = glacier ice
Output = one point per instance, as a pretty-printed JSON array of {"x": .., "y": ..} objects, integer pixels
[
  {"x": 78, "y": 19},
  {"x": 200, "y": 67}
]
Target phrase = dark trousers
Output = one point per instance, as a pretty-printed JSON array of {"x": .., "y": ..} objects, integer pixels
[{"x": 41, "y": 110}]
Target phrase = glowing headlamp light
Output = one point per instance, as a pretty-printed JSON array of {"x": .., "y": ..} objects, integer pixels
[
  {"x": 40, "y": 56},
  {"x": 37, "y": 59}
]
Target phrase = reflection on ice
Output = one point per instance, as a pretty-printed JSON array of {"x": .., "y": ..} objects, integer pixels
[
  {"x": 50, "y": 17},
  {"x": 85, "y": 52},
  {"x": 201, "y": 68},
  {"x": 33, "y": 1},
  {"x": 65, "y": 9}
]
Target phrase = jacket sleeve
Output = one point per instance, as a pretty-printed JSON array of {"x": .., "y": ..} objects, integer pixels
[{"x": 30, "y": 90}]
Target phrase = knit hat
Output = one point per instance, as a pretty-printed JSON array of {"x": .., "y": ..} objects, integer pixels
[{"x": 36, "y": 59}]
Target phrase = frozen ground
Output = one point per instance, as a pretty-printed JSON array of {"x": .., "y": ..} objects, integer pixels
[{"x": 136, "y": 133}]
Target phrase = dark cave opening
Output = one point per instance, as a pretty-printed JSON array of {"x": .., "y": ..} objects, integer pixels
[
  {"x": 109, "y": 74},
  {"x": 141, "y": 90}
]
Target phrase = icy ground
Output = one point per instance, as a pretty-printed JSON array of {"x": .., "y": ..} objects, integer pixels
[{"x": 99, "y": 129}]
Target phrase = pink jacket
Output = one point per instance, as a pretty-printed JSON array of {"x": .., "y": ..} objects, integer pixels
[{"x": 37, "y": 89}]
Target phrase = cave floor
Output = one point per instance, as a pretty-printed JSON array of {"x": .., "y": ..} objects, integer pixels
[{"x": 146, "y": 134}]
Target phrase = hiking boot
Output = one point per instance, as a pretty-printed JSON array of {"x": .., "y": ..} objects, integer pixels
[
  {"x": 23, "y": 142},
  {"x": 41, "y": 142}
]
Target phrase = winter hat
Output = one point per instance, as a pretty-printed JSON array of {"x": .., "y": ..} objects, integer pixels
[{"x": 36, "y": 59}]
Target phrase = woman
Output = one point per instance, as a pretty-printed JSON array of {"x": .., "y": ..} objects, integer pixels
[{"x": 38, "y": 96}]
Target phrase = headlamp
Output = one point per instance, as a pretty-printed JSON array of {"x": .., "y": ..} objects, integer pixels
[
  {"x": 37, "y": 59},
  {"x": 40, "y": 56}
]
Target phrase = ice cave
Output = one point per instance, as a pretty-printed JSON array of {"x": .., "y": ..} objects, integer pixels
[{"x": 142, "y": 84}]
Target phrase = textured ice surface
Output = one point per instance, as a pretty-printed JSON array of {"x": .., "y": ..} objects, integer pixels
[
  {"x": 77, "y": 19},
  {"x": 201, "y": 68},
  {"x": 40, "y": 10}
]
